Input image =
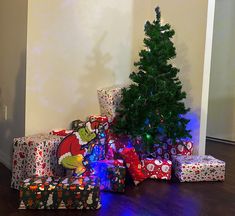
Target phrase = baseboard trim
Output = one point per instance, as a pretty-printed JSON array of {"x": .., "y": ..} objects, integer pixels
[
  {"x": 221, "y": 140},
  {"x": 5, "y": 160}
]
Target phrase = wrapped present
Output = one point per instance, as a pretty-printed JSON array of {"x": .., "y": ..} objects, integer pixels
[
  {"x": 157, "y": 169},
  {"x": 116, "y": 143},
  {"x": 112, "y": 175},
  {"x": 35, "y": 155},
  {"x": 133, "y": 165},
  {"x": 109, "y": 100},
  {"x": 98, "y": 151},
  {"x": 79, "y": 193},
  {"x": 167, "y": 150},
  {"x": 38, "y": 193},
  {"x": 198, "y": 168},
  {"x": 60, "y": 193}
]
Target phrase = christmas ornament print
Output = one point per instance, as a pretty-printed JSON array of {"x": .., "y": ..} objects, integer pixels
[
  {"x": 198, "y": 168},
  {"x": 35, "y": 155}
]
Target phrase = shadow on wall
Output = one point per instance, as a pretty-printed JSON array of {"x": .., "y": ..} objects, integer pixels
[
  {"x": 97, "y": 74},
  {"x": 14, "y": 126}
]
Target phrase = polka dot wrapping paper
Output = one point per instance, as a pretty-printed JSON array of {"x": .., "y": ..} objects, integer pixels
[
  {"x": 196, "y": 168},
  {"x": 157, "y": 169}
]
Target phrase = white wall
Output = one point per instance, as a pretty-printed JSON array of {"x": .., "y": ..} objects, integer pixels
[
  {"x": 221, "y": 111},
  {"x": 74, "y": 47},
  {"x": 13, "y": 24}
]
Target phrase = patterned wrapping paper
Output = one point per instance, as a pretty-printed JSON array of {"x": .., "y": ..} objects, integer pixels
[
  {"x": 35, "y": 155},
  {"x": 112, "y": 175},
  {"x": 60, "y": 193},
  {"x": 157, "y": 169},
  {"x": 166, "y": 151},
  {"x": 198, "y": 168},
  {"x": 109, "y": 100},
  {"x": 133, "y": 165}
]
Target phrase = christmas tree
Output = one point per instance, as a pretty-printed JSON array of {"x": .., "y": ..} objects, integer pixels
[{"x": 152, "y": 106}]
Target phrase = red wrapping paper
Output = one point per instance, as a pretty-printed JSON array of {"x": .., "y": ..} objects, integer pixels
[
  {"x": 157, "y": 169},
  {"x": 133, "y": 165},
  {"x": 62, "y": 132}
]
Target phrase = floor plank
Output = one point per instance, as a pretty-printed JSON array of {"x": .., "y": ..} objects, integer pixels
[{"x": 151, "y": 197}]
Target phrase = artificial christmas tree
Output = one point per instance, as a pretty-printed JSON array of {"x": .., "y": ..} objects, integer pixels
[{"x": 152, "y": 107}]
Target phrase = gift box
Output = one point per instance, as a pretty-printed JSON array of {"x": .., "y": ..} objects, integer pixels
[
  {"x": 112, "y": 175},
  {"x": 115, "y": 144},
  {"x": 98, "y": 150},
  {"x": 79, "y": 193},
  {"x": 109, "y": 100},
  {"x": 38, "y": 193},
  {"x": 167, "y": 150},
  {"x": 35, "y": 155},
  {"x": 157, "y": 169},
  {"x": 133, "y": 165},
  {"x": 60, "y": 193},
  {"x": 198, "y": 168}
]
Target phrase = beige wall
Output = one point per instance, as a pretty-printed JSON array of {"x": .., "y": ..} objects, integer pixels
[
  {"x": 74, "y": 47},
  {"x": 13, "y": 25},
  {"x": 221, "y": 111}
]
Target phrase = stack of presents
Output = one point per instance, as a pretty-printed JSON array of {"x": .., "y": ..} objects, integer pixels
[{"x": 67, "y": 169}]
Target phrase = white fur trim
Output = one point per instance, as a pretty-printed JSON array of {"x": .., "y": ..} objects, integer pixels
[
  {"x": 88, "y": 124},
  {"x": 64, "y": 156},
  {"x": 80, "y": 139}
]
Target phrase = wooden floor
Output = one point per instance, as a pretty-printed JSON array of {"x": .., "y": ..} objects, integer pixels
[{"x": 151, "y": 197}]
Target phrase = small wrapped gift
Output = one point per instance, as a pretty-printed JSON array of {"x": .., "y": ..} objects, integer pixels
[
  {"x": 157, "y": 169},
  {"x": 60, "y": 193},
  {"x": 112, "y": 175},
  {"x": 167, "y": 150},
  {"x": 198, "y": 168},
  {"x": 133, "y": 164},
  {"x": 109, "y": 100}
]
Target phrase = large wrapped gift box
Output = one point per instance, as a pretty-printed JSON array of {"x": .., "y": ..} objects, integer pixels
[
  {"x": 112, "y": 175},
  {"x": 109, "y": 100},
  {"x": 60, "y": 193},
  {"x": 167, "y": 150},
  {"x": 198, "y": 168},
  {"x": 157, "y": 169},
  {"x": 35, "y": 155}
]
